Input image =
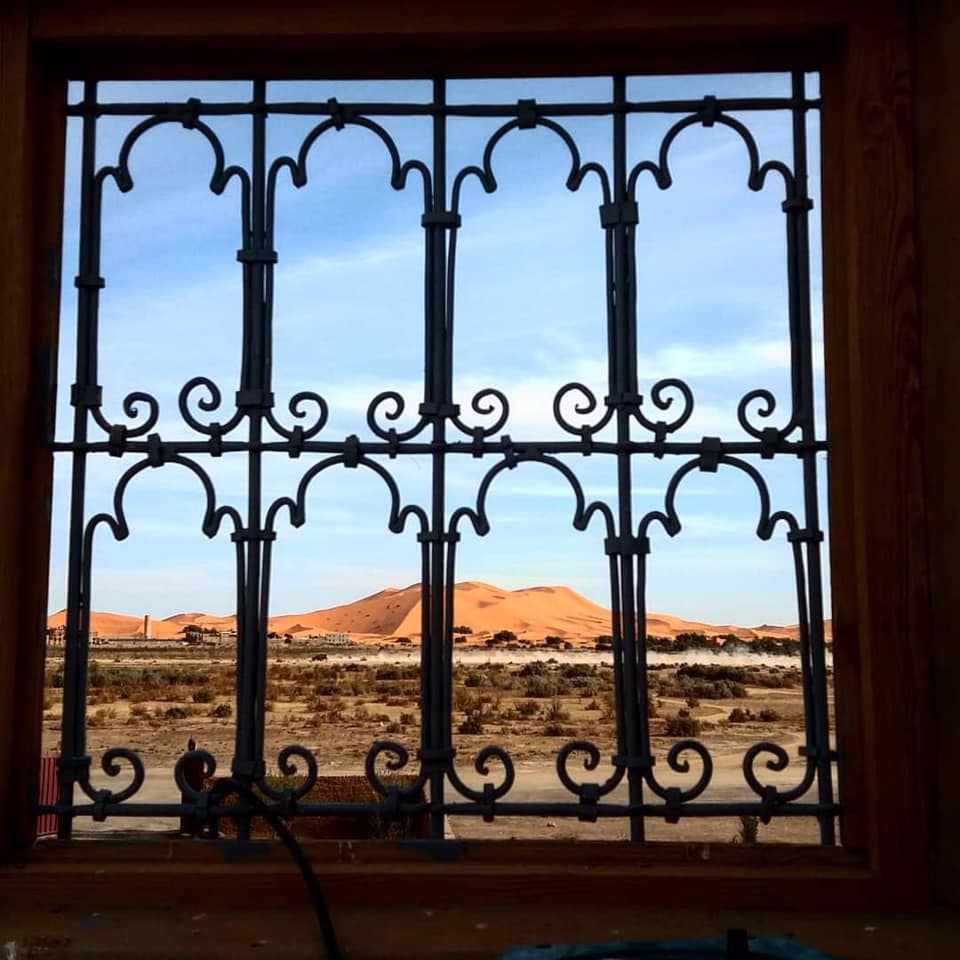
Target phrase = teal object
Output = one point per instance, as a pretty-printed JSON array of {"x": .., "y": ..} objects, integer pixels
[{"x": 717, "y": 948}]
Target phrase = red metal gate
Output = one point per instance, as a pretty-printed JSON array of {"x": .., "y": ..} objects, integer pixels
[{"x": 47, "y": 793}]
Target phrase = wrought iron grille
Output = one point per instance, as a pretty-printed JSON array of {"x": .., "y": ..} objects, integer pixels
[{"x": 442, "y": 432}]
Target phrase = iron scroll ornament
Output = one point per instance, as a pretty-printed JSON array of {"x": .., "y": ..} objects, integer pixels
[
  {"x": 796, "y": 204},
  {"x": 342, "y": 118},
  {"x": 188, "y": 117},
  {"x": 770, "y": 796}
]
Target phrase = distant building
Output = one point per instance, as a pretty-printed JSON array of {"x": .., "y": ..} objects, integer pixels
[
  {"x": 147, "y": 627},
  {"x": 337, "y": 639}
]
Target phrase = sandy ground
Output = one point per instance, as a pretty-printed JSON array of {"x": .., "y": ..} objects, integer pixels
[{"x": 341, "y": 747}]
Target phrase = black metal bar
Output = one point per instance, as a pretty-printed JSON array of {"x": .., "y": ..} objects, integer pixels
[
  {"x": 441, "y": 737},
  {"x": 642, "y": 810},
  {"x": 802, "y": 344},
  {"x": 457, "y": 808},
  {"x": 374, "y": 109},
  {"x": 459, "y": 447},
  {"x": 254, "y": 396},
  {"x": 622, "y": 389},
  {"x": 85, "y": 393}
]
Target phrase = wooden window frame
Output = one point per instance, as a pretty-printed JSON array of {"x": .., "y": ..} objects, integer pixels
[{"x": 885, "y": 718}]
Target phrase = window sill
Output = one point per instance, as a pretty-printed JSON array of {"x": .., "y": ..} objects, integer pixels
[
  {"x": 452, "y": 933},
  {"x": 131, "y": 872}
]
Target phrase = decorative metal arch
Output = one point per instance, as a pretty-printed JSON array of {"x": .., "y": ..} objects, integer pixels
[{"x": 625, "y": 539}]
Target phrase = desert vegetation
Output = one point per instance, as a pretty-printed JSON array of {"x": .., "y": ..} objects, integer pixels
[{"x": 349, "y": 701}]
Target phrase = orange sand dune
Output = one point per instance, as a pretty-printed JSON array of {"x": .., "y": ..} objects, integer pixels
[
  {"x": 105, "y": 624},
  {"x": 531, "y": 613},
  {"x": 380, "y": 613}
]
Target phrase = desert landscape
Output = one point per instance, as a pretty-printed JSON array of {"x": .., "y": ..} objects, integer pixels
[{"x": 532, "y": 671}]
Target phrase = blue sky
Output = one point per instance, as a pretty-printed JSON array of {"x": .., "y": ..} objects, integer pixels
[{"x": 712, "y": 307}]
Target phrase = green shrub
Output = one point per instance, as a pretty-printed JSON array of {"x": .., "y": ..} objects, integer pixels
[
  {"x": 222, "y": 711},
  {"x": 781, "y": 679},
  {"x": 472, "y": 723},
  {"x": 527, "y": 709},
  {"x": 608, "y": 711},
  {"x": 573, "y": 671},
  {"x": 659, "y": 644},
  {"x": 705, "y": 689},
  {"x": 203, "y": 695},
  {"x": 539, "y": 686},
  {"x": 557, "y": 718},
  {"x": 679, "y": 726},
  {"x": 692, "y": 641},
  {"x": 536, "y": 669},
  {"x": 558, "y": 730}
]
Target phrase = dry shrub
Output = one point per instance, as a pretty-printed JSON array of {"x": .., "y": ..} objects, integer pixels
[
  {"x": 101, "y": 717},
  {"x": 472, "y": 723},
  {"x": 556, "y": 719}
]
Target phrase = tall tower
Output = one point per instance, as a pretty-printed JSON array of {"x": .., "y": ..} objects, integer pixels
[{"x": 146, "y": 627}]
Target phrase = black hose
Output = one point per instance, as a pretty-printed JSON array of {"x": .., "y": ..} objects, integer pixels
[{"x": 224, "y": 788}]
